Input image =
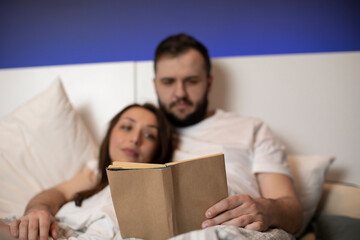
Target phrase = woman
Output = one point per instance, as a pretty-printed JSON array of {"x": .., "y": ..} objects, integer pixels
[
  {"x": 155, "y": 144},
  {"x": 138, "y": 133}
]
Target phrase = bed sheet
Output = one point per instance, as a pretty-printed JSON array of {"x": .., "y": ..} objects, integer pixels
[{"x": 77, "y": 224}]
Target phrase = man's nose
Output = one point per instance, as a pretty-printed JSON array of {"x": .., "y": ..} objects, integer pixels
[{"x": 180, "y": 91}]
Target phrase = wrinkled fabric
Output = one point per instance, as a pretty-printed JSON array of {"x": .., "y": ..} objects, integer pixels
[{"x": 222, "y": 232}]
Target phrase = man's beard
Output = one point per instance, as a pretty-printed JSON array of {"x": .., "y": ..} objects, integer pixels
[{"x": 193, "y": 118}]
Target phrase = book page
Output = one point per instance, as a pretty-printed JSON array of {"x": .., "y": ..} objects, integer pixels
[
  {"x": 143, "y": 202},
  {"x": 192, "y": 159},
  {"x": 134, "y": 165},
  {"x": 198, "y": 184}
]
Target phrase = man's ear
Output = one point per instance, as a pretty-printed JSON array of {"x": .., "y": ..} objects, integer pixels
[
  {"x": 209, "y": 83},
  {"x": 154, "y": 82}
]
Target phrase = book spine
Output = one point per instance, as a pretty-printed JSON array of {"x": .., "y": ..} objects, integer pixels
[{"x": 170, "y": 201}]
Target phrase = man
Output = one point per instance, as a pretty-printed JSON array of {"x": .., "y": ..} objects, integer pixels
[
  {"x": 183, "y": 81},
  {"x": 262, "y": 193}
]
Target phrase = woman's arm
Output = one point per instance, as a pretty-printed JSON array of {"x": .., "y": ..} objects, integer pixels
[
  {"x": 39, "y": 216},
  {"x": 4, "y": 229}
]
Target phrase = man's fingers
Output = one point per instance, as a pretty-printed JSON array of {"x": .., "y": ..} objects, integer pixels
[
  {"x": 246, "y": 221},
  {"x": 255, "y": 226},
  {"x": 241, "y": 210},
  {"x": 14, "y": 228},
  {"x": 240, "y": 221},
  {"x": 226, "y": 204},
  {"x": 234, "y": 216}
]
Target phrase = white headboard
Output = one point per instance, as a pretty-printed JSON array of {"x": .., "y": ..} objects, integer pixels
[{"x": 309, "y": 100}]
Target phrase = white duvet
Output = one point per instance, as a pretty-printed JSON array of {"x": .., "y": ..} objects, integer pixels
[{"x": 96, "y": 219}]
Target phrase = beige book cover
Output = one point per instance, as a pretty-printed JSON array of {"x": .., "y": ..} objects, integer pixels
[{"x": 158, "y": 201}]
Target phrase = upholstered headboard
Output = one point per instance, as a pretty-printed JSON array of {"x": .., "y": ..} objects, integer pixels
[{"x": 309, "y": 100}]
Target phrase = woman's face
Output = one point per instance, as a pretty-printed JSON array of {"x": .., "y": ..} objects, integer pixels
[{"x": 134, "y": 138}]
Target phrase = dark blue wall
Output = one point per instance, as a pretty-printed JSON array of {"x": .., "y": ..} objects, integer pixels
[{"x": 37, "y": 33}]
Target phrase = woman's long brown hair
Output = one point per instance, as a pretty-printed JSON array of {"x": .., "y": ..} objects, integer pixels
[{"x": 167, "y": 141}]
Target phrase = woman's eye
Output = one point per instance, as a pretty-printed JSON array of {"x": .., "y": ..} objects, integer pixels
[
  {"x": 150, "y": 136},
  {"x": 126, "y": 127}
]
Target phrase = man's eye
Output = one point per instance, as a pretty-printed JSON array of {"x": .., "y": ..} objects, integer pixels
[
  {"x": 192, "y": 81},
  {"x": 167, "y": 81}
]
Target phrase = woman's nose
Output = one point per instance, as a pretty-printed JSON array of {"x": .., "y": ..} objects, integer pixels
[{"x": 136, "y": 137}]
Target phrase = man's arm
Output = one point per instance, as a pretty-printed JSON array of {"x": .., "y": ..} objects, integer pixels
[
  {"x": 285, "y": 210},
  {"x": 38, "y": 219},
  {"x": 278, "y": 207}
]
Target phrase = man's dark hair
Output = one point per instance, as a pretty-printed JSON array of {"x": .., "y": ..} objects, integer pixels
[{"x": 176, "y": 45}]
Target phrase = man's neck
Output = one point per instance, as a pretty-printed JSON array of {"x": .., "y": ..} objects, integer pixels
[{"x": 209, "y": 113}]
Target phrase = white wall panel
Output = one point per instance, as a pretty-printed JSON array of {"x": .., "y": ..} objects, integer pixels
[
  {"x": 311, "y": 101},
  {"x": 97, "y": 91},
  {"x": 145, "y": 91}
]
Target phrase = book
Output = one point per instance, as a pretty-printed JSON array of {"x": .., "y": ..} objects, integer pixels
[{"x": 159, "y": 201}]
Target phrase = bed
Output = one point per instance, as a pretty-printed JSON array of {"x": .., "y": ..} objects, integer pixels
[{"x": 53, "y": 118}]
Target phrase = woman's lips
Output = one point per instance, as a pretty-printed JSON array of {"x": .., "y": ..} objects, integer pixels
[{"x": 130, "y": 152}]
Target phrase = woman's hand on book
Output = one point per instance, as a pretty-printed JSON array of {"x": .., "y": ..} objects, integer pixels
[{"x": 241, "y": 210}]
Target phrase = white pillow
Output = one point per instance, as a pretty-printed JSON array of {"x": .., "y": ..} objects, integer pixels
[
  {"x": 42, "y": 143},
  {"x": 309, "y": 176}
]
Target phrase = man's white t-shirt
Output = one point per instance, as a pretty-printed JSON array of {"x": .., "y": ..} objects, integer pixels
[{"x": 248, "y": 145}]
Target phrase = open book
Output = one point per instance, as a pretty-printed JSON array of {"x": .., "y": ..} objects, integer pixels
[{"x": 158, "y": 201}]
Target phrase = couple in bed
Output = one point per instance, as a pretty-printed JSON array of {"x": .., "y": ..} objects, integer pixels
[
  {"x": 262, "y": 194},
  {"x": 138, "y": 133}
]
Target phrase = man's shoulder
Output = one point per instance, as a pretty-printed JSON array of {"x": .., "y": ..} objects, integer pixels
[
  {"x": 233, "y": 116},
  {"x": 224, "y": 122}
]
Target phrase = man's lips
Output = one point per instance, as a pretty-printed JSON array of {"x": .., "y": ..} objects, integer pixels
[
  {"x": 181, "y": 104},
  {"x": 130, "y": 152}
]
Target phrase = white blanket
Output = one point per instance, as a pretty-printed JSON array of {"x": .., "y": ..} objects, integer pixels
[{"x": 96, "y": 219}]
